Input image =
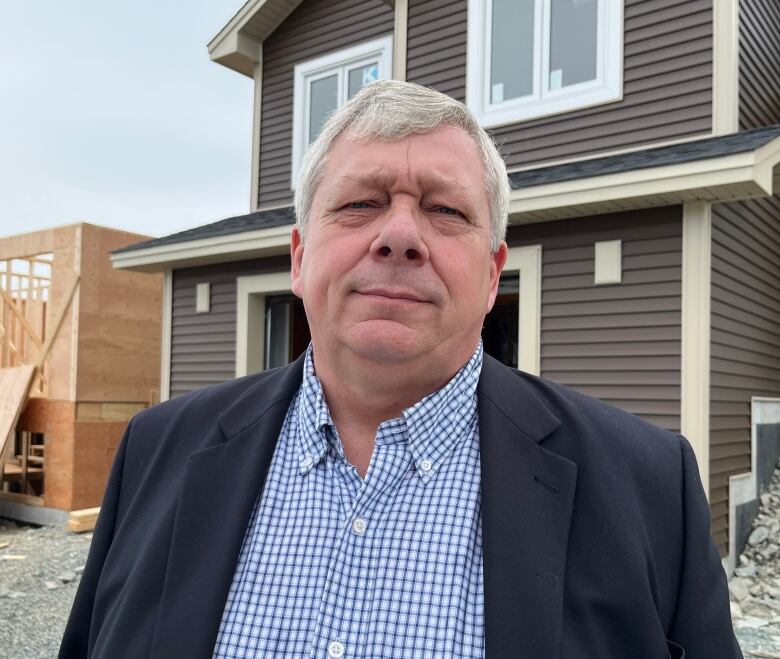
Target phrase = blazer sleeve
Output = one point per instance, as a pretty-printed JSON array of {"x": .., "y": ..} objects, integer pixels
[
  {"x": 702, "y": 619},
  {"x": 79, "y": 638}
]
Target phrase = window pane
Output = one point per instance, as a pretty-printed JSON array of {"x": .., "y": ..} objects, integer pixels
[
  {"x": 277, "y": 332},
  {"x": 323, "y": 99},
  {"x": 512, "y": 50},
  {"x": 360, "y": 76},
  {"x": 573, "y": 39}
]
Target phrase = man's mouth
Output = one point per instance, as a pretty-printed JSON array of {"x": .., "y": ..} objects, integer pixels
[{"x": 393, "y": 294}]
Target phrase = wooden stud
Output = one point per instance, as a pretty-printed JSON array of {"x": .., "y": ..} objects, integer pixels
[{"x": 81, "y": 521}]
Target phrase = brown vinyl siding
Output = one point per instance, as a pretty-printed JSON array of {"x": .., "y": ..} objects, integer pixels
[
  {"x": 314, "y": 28},
  {"x": 759, "y": 63},
  {"x": 618, "y": 342},
  {"x": 667, "y": 91},
  {"x": 203, "y": 345},
  {"x": 745, "y": 340}
]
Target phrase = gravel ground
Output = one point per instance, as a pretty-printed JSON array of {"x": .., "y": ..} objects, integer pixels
[
  {"x": 40, "y": 569},
  {"x": 39, "y": 573}
]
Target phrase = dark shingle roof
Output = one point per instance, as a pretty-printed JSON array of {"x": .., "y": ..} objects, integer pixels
[
  {"x": 239, "y": 224},
  {"x": 711, "y": 147}
]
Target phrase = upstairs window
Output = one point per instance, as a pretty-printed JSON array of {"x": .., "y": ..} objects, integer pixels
[
  {"x": 324, "y": 84},
  {"x": 531, "y": 58}
]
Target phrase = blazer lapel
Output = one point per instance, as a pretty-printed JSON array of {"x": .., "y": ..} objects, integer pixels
[
  {"x": 527, "y": 501},
  {"x": 220, "y": 486}
]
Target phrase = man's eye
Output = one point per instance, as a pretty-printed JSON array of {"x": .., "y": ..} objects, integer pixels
[
  {"x": 358, "y": 204},
  {"x": 447, "y": 210}
]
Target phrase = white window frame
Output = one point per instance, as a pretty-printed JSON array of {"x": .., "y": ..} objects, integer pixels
[
  {"x": 527, "y": 262},
  {"x": 251, "y": 292},
  {"x": 607, "y": 88},
  {"x": 380, "y": 50}
]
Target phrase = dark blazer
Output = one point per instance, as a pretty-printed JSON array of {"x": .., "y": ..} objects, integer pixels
[{"x": 595, "y": 527}]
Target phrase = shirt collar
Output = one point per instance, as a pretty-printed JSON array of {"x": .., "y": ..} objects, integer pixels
[{"x": 434, "y": 425}]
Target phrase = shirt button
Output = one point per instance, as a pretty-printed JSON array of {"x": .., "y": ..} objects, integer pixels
[
  {"x": 307, "y": 462},
  {"x": 359, "y": 526},
  {"x": 335, "y": 649},
  {"x": 426, "y": 465}
]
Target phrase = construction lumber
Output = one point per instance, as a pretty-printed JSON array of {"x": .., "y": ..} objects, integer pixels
[
  {"x": 81, "y": 521},
  {"x": 44, "y": 351},
  {"x": 15, "y": 384}
]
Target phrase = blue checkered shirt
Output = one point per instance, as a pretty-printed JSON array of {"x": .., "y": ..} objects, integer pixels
[{"x": 333, "y": 565}]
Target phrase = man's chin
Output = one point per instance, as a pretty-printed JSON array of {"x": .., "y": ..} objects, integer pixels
[{"x": 387, "y": 343}]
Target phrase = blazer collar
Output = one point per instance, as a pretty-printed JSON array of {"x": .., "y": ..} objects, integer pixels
[
  {"x": 527, "y": 496},
  {"x": 220, "y": 486},
  {"x": 527, "y": 502}
]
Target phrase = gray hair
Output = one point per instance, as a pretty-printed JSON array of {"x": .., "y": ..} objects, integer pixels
[{"x": 391, "y": 110}]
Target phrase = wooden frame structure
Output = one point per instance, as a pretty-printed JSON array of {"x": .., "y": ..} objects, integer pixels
[{"x": 88, "y": 338}]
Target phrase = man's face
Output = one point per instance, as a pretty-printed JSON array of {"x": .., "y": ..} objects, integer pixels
[{"x": 396, "y": 264}]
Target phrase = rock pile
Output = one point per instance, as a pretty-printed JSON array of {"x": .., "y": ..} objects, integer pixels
[{"x": 755, "y": 585}]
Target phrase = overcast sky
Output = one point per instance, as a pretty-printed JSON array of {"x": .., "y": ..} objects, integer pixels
[{"x": 112, "y": 113}]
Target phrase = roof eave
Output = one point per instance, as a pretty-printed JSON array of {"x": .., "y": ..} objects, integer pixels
[
  {"x": 237, "y": 52},
  {"x": 238, "y": 246},
  {"x": 237, "y": 44},
  {"x": 727, "y": 178}
]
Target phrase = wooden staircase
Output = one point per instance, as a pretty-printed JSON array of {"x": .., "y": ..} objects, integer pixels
[{"x": 25, "y": 342}]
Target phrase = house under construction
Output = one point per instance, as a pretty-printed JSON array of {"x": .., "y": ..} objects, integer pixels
[{"x": 79, "y": 355}]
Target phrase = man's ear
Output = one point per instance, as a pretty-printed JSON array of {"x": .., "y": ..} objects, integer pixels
[
  {"x": 497, "y": 262},
  {"x": 296, "y": 259}
]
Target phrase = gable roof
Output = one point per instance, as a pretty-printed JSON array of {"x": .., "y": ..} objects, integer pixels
[
  {"x": 237, "y": 44},
  {"x": 721, "y": 168}
]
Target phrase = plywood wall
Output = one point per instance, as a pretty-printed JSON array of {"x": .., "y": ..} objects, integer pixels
[{"x": 120, "y": 323}]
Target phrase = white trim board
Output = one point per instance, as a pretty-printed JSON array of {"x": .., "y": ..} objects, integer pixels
[
  {"x": 725, "y": 66},
  {"x": 727, "y": 178},
  {"x": 165, "y": 347},
  {"x": 216, "y": 249},
  {"x": 527, "y": 261},
  {"x": 695, "y": 331},
  {"x": 400, "y": 31},
  {"x": 251, "y": 292},
  {"x": 257, "y": 119}
]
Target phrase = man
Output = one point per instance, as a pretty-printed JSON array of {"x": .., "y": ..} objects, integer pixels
[{"x": 395, "y": 492}]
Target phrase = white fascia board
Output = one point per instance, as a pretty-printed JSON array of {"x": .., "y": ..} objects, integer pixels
[
  {"x": 727, "y": 178},
  {"x": 238, "y": 52},
  {"x": 236, "y": 45},
  {"x": 239, "y": 20},
  {"x": 217, "y": 249}
]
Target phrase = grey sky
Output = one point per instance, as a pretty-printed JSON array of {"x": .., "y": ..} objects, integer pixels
[{"x": 112, "y": 113}]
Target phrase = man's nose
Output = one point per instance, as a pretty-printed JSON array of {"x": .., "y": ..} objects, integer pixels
[{"x": 400, "y": 237}]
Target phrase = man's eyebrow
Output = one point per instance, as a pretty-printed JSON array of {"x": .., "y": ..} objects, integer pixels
[
  {"x": 386, "y": 178},
  {"x": 378, "y": 178}
]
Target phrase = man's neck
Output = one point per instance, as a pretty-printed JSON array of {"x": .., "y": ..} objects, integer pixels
[{"x": 362, "y": 395}]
